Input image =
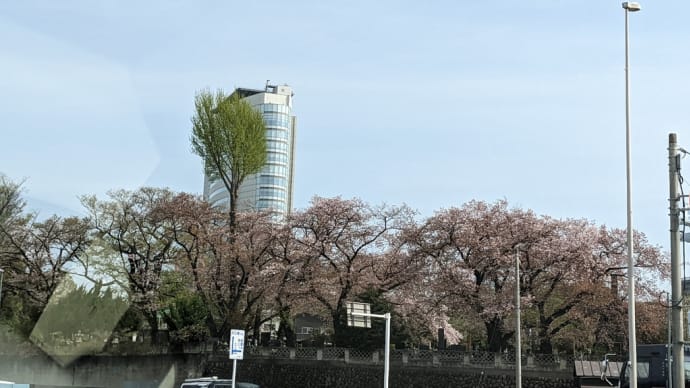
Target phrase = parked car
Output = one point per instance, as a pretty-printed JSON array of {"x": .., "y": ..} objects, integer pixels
[{"x": 214, "y": 382}]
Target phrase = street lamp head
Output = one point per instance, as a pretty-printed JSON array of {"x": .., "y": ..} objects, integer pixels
[
  {"x": 631, "y": 6},
  {"x": 521, "y": 247}
]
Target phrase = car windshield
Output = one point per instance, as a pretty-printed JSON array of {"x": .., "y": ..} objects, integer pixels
[{"x": 299, "y": 193}]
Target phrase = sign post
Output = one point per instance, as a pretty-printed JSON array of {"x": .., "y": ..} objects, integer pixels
[
  {"x": 236, "y": 350},
  {"x": 358, "y": 315}
]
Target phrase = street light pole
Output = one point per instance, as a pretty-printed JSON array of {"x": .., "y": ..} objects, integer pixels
[
  {"x": 518, "y": 339},
  {"x": 632, "y": 343},
  {"x": 387, "y": 343}
]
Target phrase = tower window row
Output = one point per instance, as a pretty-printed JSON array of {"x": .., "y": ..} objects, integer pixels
[
  {"x": 274, "y": 170},
  {"x": 277, "y": 120},
  {"x": 276, "y": 146},
  {"x": 277, "y": 157},
  {"x": 274, "y": 204},
  {"x": 280, "y": 134},
  {"x": 277, "y": 108},
  {"x": 265, "y": 180},
  {"x": 271, "y": 192}
]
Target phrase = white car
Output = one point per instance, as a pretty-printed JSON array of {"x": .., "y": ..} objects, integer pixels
[{"x": 214, "y": 382}]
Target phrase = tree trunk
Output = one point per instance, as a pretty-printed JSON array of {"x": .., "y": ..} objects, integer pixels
[
  {"x": 211, "y": 324},
  {"x": 339, "y": 328},
  {"x": 232, "y": 213},
  {"x": 495, "y": 335},
  {"x": 286, "y": 327},
  {"x": 152, "y": 319},
  {"x": 545, "y": 346},
  {"x": 256, "y": 326}
]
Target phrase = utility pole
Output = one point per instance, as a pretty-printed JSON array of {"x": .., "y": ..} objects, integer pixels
[{"x": 676, "y": 270}]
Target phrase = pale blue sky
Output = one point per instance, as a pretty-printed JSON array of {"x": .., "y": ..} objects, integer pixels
[{"x": 428, "y": 103}]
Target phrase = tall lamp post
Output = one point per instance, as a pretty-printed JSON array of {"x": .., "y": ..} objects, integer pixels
[
  {"x": 518, "y": 336},
  {"x": 632, "y": 343},
  {"x": 2, "y": 273}
]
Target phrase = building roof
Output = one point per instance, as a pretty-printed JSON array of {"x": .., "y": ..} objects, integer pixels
[{"x": 245, "y": 92}]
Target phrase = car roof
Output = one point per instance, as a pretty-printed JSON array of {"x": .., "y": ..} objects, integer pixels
[
  {"x": 209, "y": 381},
  {"x": 205, "y": 381}
]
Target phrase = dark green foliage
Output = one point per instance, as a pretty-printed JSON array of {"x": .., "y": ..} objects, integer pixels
[
  {"x": 184, "y": 311},
  {"x": 90, "y": 312},
  {"x": 18, "y": 314},
  {"x": 189, "y": 313},
  {"x": 131, "y": 320}
]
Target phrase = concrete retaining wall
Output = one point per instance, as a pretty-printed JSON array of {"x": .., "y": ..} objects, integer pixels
[
  {"x": 168, "y": 371},
  {"x": 164, "y": 371},
  {"x": 301, "y": 374}
]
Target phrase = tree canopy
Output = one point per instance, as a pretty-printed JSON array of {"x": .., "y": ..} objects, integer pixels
[
  {"x": 175, "y": 259},
  {"x": 230, "y": 136}
]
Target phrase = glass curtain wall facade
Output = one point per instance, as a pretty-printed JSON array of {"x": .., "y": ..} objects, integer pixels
[{"x": 271, "y": 188}]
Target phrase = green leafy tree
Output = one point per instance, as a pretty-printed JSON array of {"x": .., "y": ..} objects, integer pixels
[
  {"x": 230, "y": 136},
  {"x": 184, "y": 311}
]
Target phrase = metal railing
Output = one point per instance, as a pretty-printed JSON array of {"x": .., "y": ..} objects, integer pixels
[{"x": 414, "y": 357}]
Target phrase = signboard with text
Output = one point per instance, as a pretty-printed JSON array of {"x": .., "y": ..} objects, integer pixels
[
  {"x": 358, "y": 320},
  {"x": 237, "y": 344}
]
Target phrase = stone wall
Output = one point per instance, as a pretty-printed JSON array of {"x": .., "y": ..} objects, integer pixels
[
  {"x": 168, "y": 371},
  {"x": 310, "y": 374}
]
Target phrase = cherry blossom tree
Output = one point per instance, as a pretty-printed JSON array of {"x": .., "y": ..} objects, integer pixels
[
  {"x": 43, "y": 251},
  {"x": 229, "y": 267},
  {"x": 36, "y": 256},
  {"x": 471, "y": 254},
  {"x": 136, "y": 244},
  {"x": 602, "y": 316},
  {"x": 288, "y": 292},
  {"x": 469, "y": 267},
  {"x": 349, "y": 248}
]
